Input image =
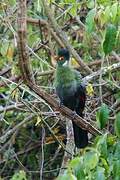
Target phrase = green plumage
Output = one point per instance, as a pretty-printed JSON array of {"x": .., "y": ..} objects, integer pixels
[{"x": 66, "y": 77}]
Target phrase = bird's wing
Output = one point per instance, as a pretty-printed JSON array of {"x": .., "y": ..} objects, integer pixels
[
  {"x": 80, "y": 93},
  {"x": 78, "y": 76},
  {"x": 81, "y": 96}
]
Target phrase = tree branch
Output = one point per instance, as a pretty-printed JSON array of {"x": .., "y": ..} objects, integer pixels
[
  {"x": 102, "y": 71},
  {"x": 22, "y": 42},
  {"x": 26, "y": 72}
]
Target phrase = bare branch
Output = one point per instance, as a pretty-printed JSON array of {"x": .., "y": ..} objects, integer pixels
[
  {"x": 63, "y": 37},
  {"x": 22, "y": 42},
  {"x": 103, "y": 70}
]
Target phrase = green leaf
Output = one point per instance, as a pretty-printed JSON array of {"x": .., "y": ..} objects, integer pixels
[
  {"x": 111, "y": 140},
  {"x": 69, "y": 1},
  {"x": 90, "y": 23},
  {"x": 117, "y": 150},
  {"x": 21, "y": 175},
  {"x": 105, "y": 164},
  {"x": 99, "y": 174},
  {"x": 118, "y": 14},
  {"x": 102, "y": 116},
  {"x": 102, "y": 146},
  {"x": 77, "y": 167},
  {"x": 103, "y": 16},
  {"x": 110, "y": 39},
  {"x": 114, "y": 11},
  {"x": 67, "y": 175},
  {"x": 104, "y": 2},
  {"x": 38, "y": 6},
  {"x": 90, "y": 4},
  {"x": 90, "y": 160},
  {"x": 116, "y": 168},
  {"x": 74, "y": 162},
  {"x": 107, "y": 13},
  {"x": 4, "y": 48},
  {"x": 117, "y": 125},
  {"x": 118, "y": 47},
  {"x": 73, "y": 10},
  {"x": 12, "y": 2}
]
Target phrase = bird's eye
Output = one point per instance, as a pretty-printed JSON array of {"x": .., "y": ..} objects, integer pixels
[{"x": 61, "y": 58}]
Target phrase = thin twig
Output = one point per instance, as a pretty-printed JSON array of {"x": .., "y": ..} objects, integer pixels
[{"x": 63, "y": 37}]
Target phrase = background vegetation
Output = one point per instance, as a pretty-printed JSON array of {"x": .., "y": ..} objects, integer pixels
[{"x": 32, "y": 132}]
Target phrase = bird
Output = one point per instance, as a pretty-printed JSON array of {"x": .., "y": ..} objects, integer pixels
[{"x": 71, "y": 92}]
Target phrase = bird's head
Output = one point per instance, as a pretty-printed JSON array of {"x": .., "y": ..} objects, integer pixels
[{"x": 63, "y": 57}]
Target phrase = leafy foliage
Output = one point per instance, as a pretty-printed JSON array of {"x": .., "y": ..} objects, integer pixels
[
  {"x": 90, "y": 24},
  {"x": 94, "y": 164}
]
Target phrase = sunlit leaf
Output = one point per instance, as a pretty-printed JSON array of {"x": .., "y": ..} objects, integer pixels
[
  {"x": 105, "y": 164},
  {"x": 10, "y": 52},
  {"x": 103, "y": 16},
  {"x": 69, "y": 1},
  {"x": 114, "y": 11},
  {"x": 73, "y": 10},
  {"x": 38, "y": 121},
  {"x": 74, "y": 162},
  {"x": 90, "y": 4},
  {"x": 15, "y": 94},
  {"x": 90, "y": 23},
  {"x": 74, "y": 63},
  {"x": 90, "y": 90},
  {"x": 107, "y": 13},
  {"x": 3, "y": 5},
  {"x": 91, "y": 159}
]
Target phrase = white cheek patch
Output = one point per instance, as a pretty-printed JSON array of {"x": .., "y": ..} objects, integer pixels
[{"x": 65, "y": 63}]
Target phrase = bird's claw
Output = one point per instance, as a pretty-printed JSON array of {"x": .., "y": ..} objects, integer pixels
[
  {"x": 73, "y": 114},
  {"x": 60, "y": 104}
]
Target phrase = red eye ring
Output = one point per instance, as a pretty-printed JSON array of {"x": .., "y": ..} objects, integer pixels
[{"x": 61, "y": 58}]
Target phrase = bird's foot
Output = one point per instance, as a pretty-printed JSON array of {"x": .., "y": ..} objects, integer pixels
[
  {"x": 73, "y": 114},
  {"x": 60, "y": 104}
]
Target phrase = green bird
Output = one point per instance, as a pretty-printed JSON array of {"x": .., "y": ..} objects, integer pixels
[{"x": 71, "y": 93}]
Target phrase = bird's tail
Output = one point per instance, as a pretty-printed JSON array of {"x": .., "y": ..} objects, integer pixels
[{"x": 80, "y": 136}]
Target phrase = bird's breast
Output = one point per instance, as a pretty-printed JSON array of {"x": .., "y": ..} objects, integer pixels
[{"x": 66, "y": 90}]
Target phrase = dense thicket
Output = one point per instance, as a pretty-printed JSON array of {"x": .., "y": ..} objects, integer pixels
[{"x": 33, "y": 133}]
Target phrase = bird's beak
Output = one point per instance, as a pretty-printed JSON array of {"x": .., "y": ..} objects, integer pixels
[{"x": 56, "y": 58}]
